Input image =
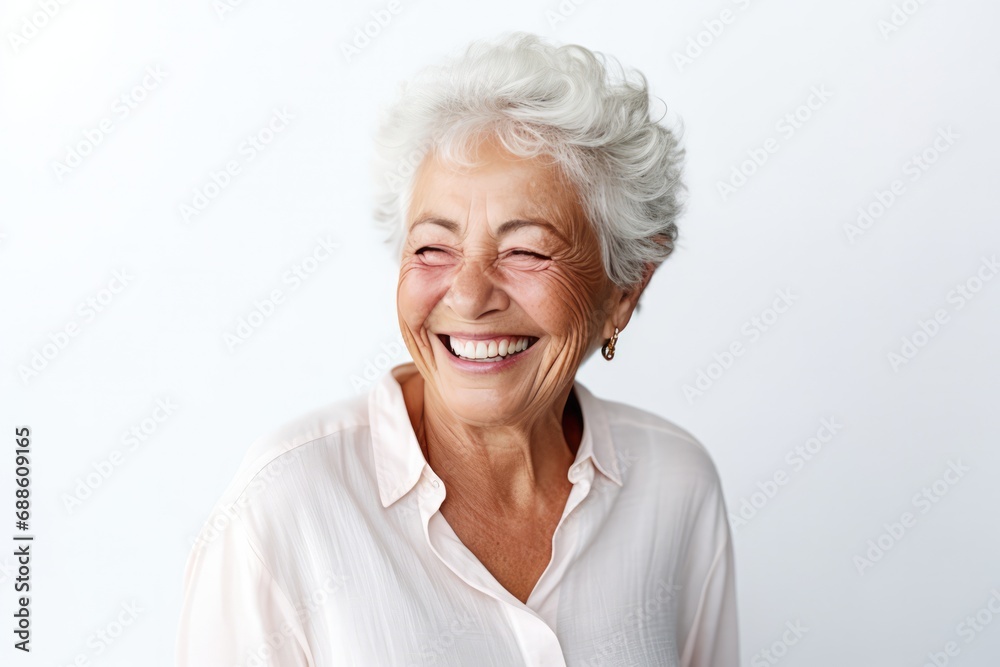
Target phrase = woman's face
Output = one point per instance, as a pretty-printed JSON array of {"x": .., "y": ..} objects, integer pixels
[{"x": 496, "y": 256}]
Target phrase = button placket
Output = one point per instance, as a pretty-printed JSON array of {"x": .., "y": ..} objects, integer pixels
[
  {"x": 540, "y": 646},
  {"x": 538, "y": 643},
  {"x": 565, "y": 541}
]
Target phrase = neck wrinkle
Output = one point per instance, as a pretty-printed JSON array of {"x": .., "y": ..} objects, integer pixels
[{"x": 513, "y": 468}]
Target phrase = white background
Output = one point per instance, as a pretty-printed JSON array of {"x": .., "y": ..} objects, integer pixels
[{"x": 856, "y": 296}]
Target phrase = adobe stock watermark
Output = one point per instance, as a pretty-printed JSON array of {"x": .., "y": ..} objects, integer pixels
[
  {"x": 913, "y": 168},
  {"x": 262, "y": 654},
  {"x": 968, "y": 629},
  {"x": 40, "y": 358},
  {"x": 364, "y": 34},
  {"x": 924, "y": 501},
  {"x": 600, "y": 486},
  {"x": 773, "y": 654},
  {"x": 405, "y": 167},
  {"x": 431, "y": 652},
  {"x": 131, "y": 439},
  {"x": 222, "y": 517},
  {"x": 900, "y": 15},
  {"x": 712, "y": 30},
  {"x": 104, "y": 638},
  {"x": 409, "y": 505},
  {"x": 248, "y": 150},
  {"x": 787, "y": 126},
  {"x": 224, "y": 7},
  {"x": 661, "y": 601},
  {"x": 625, "y": 460},
  {"x": 33, "y": 24},
  {"x": 561, "y": 12},
  {"x": 796, "y": 458},
  {"x": 121, "y": 109},
  {"x": 294, "y": 277},
  {"x": 752, "y": 330},
  {"x": 927, "y": 330},
  {"x": 392, "y": 350}
]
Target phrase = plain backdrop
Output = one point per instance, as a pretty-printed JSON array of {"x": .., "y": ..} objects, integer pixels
[{"x": 858, "y": 141}]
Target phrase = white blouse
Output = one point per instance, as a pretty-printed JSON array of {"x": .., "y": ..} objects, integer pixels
[{"x": 328, "y": 549}]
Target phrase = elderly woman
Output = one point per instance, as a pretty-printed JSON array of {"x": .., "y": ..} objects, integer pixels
[{"x": 480, "y": 506}]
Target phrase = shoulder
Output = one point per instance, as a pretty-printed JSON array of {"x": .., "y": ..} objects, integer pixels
[
  {"x": 298, "y": 442},
  {"x": 663, "y": 447},
  {"x": 665, "y": 465}
]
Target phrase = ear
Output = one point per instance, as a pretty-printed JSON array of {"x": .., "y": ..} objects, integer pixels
[{"x": 623, "y": 303}]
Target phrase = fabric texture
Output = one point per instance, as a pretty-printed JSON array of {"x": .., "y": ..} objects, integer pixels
[{"x": 328, "y": 549}]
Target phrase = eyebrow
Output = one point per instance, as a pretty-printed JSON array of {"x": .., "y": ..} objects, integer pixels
[{"x": 504, "y": 228}]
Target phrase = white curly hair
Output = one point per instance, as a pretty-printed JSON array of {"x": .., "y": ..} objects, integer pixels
[{"x": 577, "y": 106}]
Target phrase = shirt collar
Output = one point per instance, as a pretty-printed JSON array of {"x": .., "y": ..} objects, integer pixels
[{"x": 399, "y": 461}]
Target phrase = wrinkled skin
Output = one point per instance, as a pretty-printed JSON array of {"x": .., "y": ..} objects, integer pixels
[
  {"x": 504, "y": 426},
  {"x": 502, "y": 442}
]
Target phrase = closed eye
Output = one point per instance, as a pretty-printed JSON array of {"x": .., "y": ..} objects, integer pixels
[{"x": 431, "y": 250}]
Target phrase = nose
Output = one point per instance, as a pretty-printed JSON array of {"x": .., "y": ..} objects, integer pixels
[{"x": 474, "y": 290}]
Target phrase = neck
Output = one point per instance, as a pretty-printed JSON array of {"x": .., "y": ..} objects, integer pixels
[{"x": 516, "y": 466}]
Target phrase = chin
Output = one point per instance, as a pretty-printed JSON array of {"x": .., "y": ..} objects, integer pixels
[{"x": 482, "y": 409}]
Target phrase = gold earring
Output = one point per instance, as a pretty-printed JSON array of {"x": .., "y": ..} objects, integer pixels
[{"x": 608, "y": 349}]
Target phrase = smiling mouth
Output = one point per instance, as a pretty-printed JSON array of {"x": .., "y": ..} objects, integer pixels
[{"x": 496, "y": 349}]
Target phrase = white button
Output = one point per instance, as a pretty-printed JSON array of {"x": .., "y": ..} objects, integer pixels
[{"x": 435, "y": 483}]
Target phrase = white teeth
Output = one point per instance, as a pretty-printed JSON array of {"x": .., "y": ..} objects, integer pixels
[{"x": 493, "y": 350}]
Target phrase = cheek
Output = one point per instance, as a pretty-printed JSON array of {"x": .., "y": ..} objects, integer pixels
[
  {"x": 418, "y": 292},
  {"x": 584, "y": 282},
  {"x": 587, "y": 287},
  {"x": 560, "y": 302}
]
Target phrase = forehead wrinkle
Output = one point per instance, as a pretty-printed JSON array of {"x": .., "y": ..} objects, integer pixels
[
  {"x": 506, "y": 227},
  {"x": 545, "y": 199}
]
